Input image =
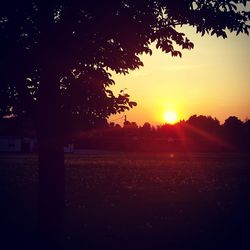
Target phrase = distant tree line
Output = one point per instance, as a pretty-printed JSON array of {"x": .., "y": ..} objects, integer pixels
[{"x": 198, "y": 133}]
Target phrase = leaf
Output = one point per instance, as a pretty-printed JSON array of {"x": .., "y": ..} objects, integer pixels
[
  {"x": 238, "y": 31},
  {"x": 246, "y": 31},
  {"x": 213, "y": 32},
  {"x": 131, "y": 104},
  {"x": 110, "y": 93}
]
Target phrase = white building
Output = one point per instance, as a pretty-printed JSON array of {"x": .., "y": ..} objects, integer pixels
[
  {"x": 17, "y": 144},
  {"x": 20, "y": 144},
  {"x": 10, "y": 144},
  {"x": 69, "y": 148}
]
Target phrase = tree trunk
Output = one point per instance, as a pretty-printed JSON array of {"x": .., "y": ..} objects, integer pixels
[
  {"x": 51, "y": 190},
  {"x": 50, "y": 137},
  {"x": 51, "y": 186}
]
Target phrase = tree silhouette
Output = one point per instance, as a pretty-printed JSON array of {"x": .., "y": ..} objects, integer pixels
[
  {"x": 206, "y": 123},
  {"x": 246, "y": 136},
  {"x": 233, "y": 122},
  {"x": 233, "y": 131},
  {"x": 146, "y": 128},
  {"x": 55, "y": 57}
]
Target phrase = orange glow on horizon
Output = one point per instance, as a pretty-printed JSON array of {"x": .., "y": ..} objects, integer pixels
[{"x": 212, "y": 79}]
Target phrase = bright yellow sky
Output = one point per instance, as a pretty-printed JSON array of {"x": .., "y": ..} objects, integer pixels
[{"x": 212, "y": 79}]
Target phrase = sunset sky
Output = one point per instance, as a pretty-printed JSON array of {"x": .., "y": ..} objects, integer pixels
[{"x": 212, "y": 79}]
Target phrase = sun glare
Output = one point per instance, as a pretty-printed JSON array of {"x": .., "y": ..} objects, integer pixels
[{"x": 170, "y": 117}]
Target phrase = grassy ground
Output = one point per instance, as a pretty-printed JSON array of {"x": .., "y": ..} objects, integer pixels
[{"x": 135, "y": 201}]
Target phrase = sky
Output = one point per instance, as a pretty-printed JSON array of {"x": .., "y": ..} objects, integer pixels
[{"x": 211, "y": 79}]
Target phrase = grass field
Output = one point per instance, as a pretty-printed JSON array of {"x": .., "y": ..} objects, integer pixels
[{"x": 135, "y": 201}]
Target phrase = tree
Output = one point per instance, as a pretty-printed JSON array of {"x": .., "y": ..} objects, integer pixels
[
  {"x": 205, "y": 123},
  {"x": 246, "y": 141},
  {"x": 233, "y": 129},
  {"x": 146, "y": 128},
  {"x": 56, "y": 57}
]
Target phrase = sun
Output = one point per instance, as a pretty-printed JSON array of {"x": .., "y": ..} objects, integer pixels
[{"x": 170, "y": 117}]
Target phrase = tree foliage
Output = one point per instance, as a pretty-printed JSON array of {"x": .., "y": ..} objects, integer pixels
[{"x": 61, "y": 53}]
